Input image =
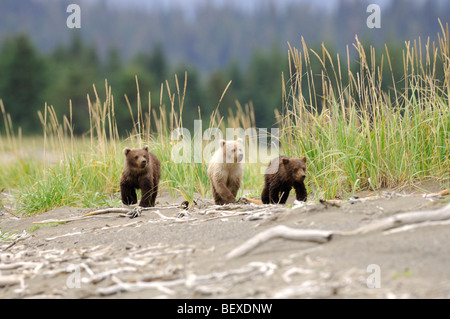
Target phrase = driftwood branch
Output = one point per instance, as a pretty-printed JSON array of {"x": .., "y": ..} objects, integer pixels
[
  {"x": 191, "y": 281},
  {"x": 403, "y": 219},
  {"x": 414, "y": 226},
  {"x": 125, "y": 210},
  {"x": 67, "y": 220},
  {"x": 22, "y": 264},
  {"x": 322, "y": 236},
  {"x": 319, "y": 236},
  {"x": 11, "y": 280},
  {"x": 120, "y": 210},
  {"x": 131, "y": 212},
  {"x": 444, "y": 192}
]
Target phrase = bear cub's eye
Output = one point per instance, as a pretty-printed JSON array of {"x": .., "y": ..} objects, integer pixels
[{"x": 136, "y": 157}]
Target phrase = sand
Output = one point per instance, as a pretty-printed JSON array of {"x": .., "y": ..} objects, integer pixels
[{"x": 175, "y": 253}]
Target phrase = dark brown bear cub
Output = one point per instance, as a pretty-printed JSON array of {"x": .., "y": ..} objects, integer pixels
[
  {"x": 281, "y": 175},
  {"x": 142, "y": 171}
]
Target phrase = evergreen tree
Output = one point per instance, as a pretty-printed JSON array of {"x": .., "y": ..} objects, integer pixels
[
  {"x": 22, "y": 82},
  {"x": 263, "y": 84},
  {"x": 158, "y": 64},
  {"x": 75, "y": 69}
]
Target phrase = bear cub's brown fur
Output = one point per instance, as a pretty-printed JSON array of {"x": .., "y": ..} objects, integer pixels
[
  {"x": 281, "y": 175},
  {"x": 142, "y": 171}
]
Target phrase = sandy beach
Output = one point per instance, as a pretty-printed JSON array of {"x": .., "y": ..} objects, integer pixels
[{"x": 171, "y": 252}]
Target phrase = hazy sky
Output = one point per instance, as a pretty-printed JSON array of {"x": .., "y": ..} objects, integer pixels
[
  {"x": 244, "y": 4},
  {"x": 240, "y": 3}
]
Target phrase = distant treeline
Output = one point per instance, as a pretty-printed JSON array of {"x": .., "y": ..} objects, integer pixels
[
  {"x": 30, "y": 78},
  {"x": 41, "y": 60},
  {"x": 210, "y": 36}
]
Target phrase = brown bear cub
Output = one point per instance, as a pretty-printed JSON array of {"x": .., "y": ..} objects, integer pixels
[
  {"x": 142, "y": 171},
  {"x": 281, "y": 175},
  {"x": 225, "y": 171}
]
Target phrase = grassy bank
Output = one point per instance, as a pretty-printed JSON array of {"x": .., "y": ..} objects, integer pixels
[
  {"x": 359, "y": 137},
  {"x": 356, "y": 136}
]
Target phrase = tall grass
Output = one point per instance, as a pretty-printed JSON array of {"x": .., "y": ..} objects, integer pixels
[
  {"x": 356, "y": 136},
  {"x": 85, "y": 171}
]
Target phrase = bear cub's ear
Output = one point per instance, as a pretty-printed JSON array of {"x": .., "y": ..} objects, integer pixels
[
  {"x": 304, "y": 159},
  {"x": 146, "y": 148},
  {"x": 285, "y": 161},
  {"x": 126, "y": 150}
]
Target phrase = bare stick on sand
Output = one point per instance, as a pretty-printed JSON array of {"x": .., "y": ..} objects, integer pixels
[
  {"x": 319, "y": 236},
  {"x": 323, "y": 236}
]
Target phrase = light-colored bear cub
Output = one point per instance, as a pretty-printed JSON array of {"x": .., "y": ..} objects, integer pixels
[{"x": 225, "y": 171}]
